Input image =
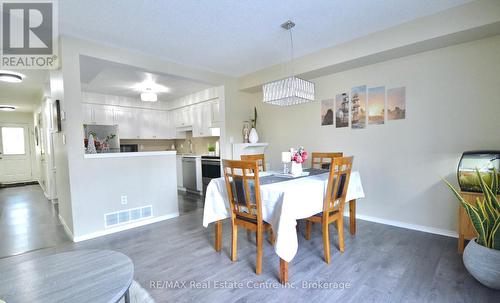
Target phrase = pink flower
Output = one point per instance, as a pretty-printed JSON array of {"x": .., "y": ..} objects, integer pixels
[
  {"x": 298, "y": 159},
  {"x": 304, "y": 155}
]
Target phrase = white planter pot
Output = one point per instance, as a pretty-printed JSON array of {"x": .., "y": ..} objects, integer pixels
[
  {"x": 483, "y": 264},
  {"x": 296, "y": 169},
  {"x": 253, "y": 137}
]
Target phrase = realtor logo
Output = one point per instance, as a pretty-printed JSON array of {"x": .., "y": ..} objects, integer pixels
[{"x": 29, "y": 34}]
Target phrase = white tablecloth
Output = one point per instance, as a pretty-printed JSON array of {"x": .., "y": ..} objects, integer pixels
[{"x": 283, "y": 203}]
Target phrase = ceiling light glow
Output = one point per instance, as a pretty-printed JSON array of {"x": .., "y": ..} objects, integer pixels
[{"x": 11, "y": 77}]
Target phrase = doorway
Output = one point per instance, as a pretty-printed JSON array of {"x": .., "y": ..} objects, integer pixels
[{"x": 15, "y": 153}]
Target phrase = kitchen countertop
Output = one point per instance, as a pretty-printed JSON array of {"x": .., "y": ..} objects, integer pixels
[{"x": 131, "y": 154}]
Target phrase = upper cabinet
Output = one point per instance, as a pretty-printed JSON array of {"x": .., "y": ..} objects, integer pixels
[
  {"x": 202, "y": 114},
  {"x": 216, "y": 112},
  {"x": 183, "y": 117},
  {"x": 97, "y": 114},
  {"x": 154, "y": 124},
  {"x": 127, "y": 120},
  {"x": 140, "y": 123}
]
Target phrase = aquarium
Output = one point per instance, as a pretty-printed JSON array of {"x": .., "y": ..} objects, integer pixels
[{"x": 484, "y": 161}]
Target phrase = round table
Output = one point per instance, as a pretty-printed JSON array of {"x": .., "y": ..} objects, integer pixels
[{"x": 75, "y": 276}]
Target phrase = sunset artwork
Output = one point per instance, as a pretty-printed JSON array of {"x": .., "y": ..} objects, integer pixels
[
  {"x": 342, "y": 110},
  {"x": 376, "y": 105},
  {"x": 358, "y": 107},
  {"x": 396, "y": 103},
  {"x": 327, "y": 112}
]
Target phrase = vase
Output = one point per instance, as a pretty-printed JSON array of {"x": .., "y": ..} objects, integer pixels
[
  {"x": 483, "y": 263},
  {"x": 253, "y": 137},
  {"x": 246, "y": 131},
  {"x": 296, "y": 169}
]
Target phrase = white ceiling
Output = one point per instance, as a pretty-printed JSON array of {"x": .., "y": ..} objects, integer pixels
[
  {"x": 235, "y": 37},
  {"x": 105, "y": 77},
  {"x": 25, "y": 96}
]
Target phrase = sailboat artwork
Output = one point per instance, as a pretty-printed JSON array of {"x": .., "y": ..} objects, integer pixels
[
  {"x": 358, "y": 107},
  {"x": 342, "y": 110}
]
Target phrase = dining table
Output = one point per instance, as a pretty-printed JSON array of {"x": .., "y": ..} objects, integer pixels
[{"x": 285, "y": 199}]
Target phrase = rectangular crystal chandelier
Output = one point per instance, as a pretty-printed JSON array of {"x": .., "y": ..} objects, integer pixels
[{"x": 289, "y": 91}]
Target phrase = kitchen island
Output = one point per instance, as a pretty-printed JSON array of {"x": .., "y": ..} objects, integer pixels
[{"x": 123, "y": 191}]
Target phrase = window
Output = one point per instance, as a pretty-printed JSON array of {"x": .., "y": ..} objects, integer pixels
[{"x": 13, "y": 141}]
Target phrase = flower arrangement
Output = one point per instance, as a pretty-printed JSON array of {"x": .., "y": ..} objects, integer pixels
[{"x": 300, "y": 155}]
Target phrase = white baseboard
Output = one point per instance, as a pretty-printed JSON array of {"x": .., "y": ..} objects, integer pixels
[
  {"x": 66, "y": 228},
  {"x": 113, "y": 230},
  {"x": 427, "y": 229}
]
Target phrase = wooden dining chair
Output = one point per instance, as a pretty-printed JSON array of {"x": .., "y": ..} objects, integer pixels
[
  {"x": 243, "y": 189},
  {"x": 260, "y": 158},
  {"x": 323, "y": 160},
  {"x": 333, "y": 203}
]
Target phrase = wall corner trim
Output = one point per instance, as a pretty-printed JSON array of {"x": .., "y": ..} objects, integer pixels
[
  {"x": 422, "y": 228},
  {"x": 66, "y": 228}
]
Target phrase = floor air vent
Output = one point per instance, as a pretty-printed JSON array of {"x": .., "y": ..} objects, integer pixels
[{"x": 127, "y": 216}]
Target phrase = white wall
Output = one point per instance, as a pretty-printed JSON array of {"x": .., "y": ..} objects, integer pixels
[{"x": 453, "y": 105}]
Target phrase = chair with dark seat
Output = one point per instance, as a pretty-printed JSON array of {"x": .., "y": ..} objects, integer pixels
[
  {"x": 323, "y": 160},
  {"x": 242, "y": 183},
  {"x": 333, "y": 203},
  {"x": 260, "y": 158}
]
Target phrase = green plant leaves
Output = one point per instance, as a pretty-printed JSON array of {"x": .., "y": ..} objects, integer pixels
[{"x": 485, "y": 216}]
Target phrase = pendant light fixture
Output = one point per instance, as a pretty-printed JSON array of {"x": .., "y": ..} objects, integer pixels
[
  {"x": 292, "y": 90},
  {"x": 11, "y": 77}
]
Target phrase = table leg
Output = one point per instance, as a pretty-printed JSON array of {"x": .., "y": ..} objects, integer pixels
[
  {"x": 283, "y": 271},
  {"x": 218, "y": 236},
  {"x": 352, "y": 217},
  {"x": 127, "y": 296},
  {"x": 461, "y": 243}
]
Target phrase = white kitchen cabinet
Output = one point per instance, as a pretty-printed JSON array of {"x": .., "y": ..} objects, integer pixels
[
  {"x": 147, "y": 123},
  {"x": 202, "y": 115},
  {"x": 87, "y": 113},
  {"x": 216, "y": 112},
  {"x": 103, "y": 115},
  {"x": 97, "y": 114},
  {"x": 183, "y": 117},
  {"x": 128, "y": 123}
]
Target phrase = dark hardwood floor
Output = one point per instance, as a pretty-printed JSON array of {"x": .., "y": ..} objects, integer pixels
[
  {"x": 380, "y": 264},
  {"x": 28, "y": 221}
]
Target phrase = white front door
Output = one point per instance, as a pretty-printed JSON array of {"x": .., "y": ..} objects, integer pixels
[{"x": 15, "y": 158}]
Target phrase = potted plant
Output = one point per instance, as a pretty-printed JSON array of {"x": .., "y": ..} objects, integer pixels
[
  {"x": 211, "y": 150},
  {"x": 482, "y": 254}
]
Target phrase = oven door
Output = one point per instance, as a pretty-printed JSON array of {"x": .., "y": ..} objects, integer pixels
[{"x": 210, "y": 169}]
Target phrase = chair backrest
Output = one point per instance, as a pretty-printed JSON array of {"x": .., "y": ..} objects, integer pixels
[
  {"x": 260, "y": 158},
  {"x": 323, "y": 160},
  {"x": 338, "y": 181},
  {"x": 242, "y": 183}
]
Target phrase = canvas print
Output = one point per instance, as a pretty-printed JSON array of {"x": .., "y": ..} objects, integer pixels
[
  {"x": 342, "y": 110},
  {"x": 327, "y": 112},
  {"x": 376, "y": 105},
  {"x": 396, "y": 103},
  {"x": 358, "y": 107}
]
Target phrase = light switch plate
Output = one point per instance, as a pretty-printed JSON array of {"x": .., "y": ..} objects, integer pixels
[{"x": 124, "y": 200}]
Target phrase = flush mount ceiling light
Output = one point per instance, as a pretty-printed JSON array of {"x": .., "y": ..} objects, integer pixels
[
  {"x": 11, "y": 77},
  {"x": 7, "y": 108},
  {"x": 292, "y": 90},
  {"x": 149, "y": 96}
]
